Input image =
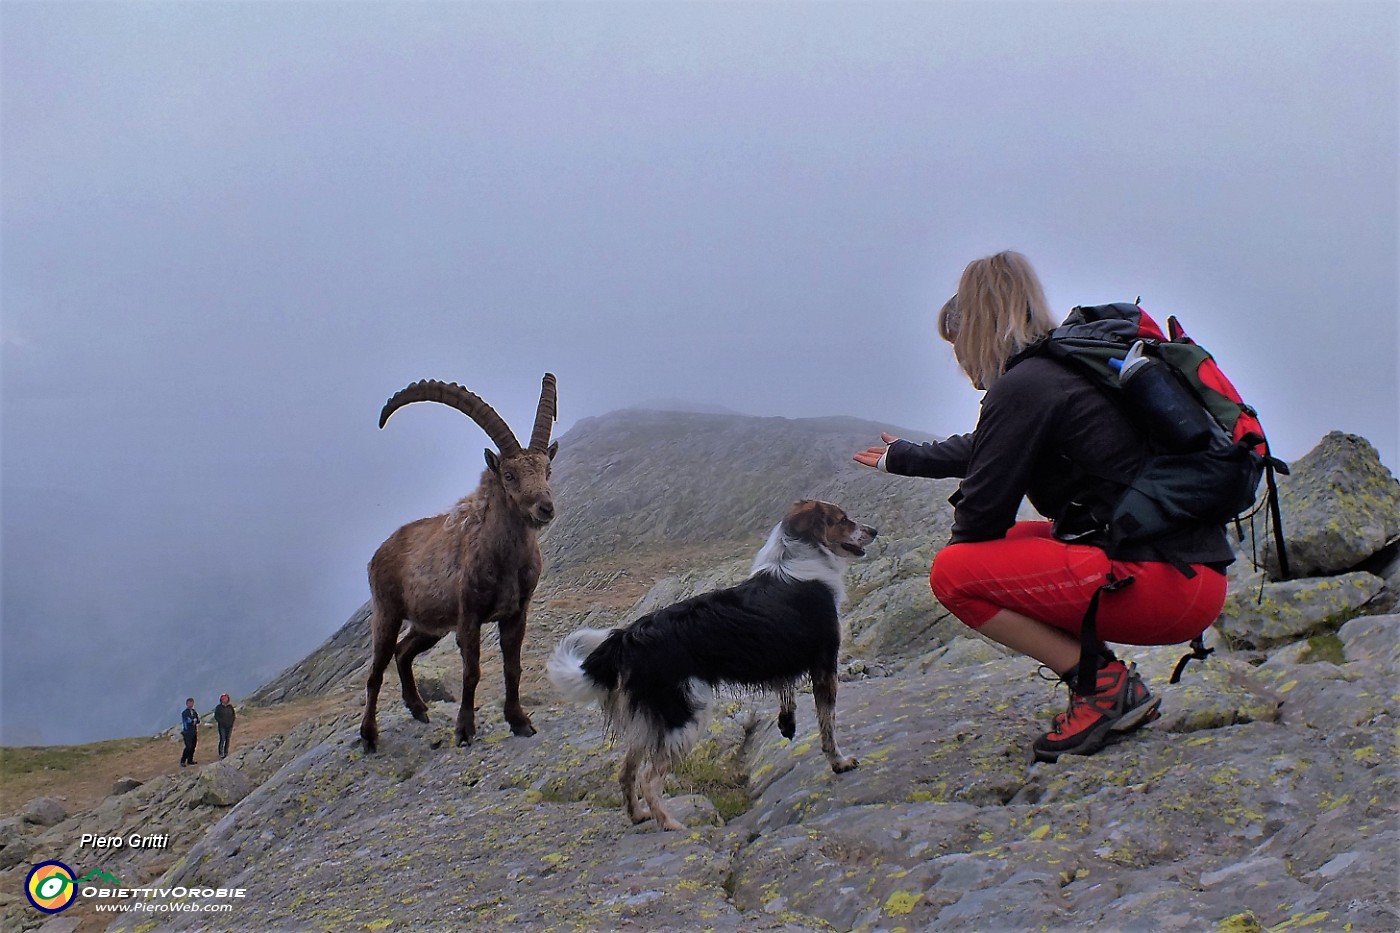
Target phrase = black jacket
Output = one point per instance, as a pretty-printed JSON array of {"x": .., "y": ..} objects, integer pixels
[{"x": 1046, "y": 433}]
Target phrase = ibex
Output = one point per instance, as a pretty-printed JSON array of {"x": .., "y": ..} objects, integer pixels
[{"x": 477, "y": 564}]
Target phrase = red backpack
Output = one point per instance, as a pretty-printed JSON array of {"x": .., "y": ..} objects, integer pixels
[{"x": 1208, "y": 449}]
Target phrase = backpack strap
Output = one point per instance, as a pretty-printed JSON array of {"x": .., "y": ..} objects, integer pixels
[
  {"x": 1276, "y": 516},
  {"x": 1086, "y": 681},
  {"x": 1199, "y": 652}
]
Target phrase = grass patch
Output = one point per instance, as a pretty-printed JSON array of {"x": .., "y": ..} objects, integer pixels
[
  {"x": 720, "y": 777},
  {"x": 18, "y": 761},
  {"x": 83, "y": 774},
  {"x": 706, "y": 771},
  {"x": 566, "y": 789},
  {"x": 1327, "y": 648}
]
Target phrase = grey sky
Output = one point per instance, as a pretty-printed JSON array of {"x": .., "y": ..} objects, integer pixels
[{"x": 230, "y": 231}]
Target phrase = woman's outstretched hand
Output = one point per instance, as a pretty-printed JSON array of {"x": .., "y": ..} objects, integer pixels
[{"x": 871, "y": 456}]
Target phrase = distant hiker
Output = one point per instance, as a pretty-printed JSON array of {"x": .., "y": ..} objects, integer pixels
[
  {"x": 1046, "y": 432},
  {"x": 223, "y": 716},
  {"x": 189, "y": 731}
]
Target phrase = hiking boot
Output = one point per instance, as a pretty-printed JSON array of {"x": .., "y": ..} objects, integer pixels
[
  {"x": 1121, "y": 704},
  {"x": 1141, "y": 707}
]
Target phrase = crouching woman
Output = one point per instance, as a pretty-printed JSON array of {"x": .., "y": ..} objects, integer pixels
[{"x": 1047, "y": 433}]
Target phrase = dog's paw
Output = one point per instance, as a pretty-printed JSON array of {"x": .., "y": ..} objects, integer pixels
[{"x": 787, "y": 724}]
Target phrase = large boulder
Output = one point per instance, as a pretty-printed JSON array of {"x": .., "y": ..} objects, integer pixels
[
  {"x": 220, "y": 785},
  {"x": 13, "y": 844},
  {"x": 1259, "y": 614},
  {"x": 124, "y": 785},
  {"x": 1372, "y": 640},
  {"x": 44, "y": 811},
  {"x": 1340, "y": 506},
  {"x": 434, "y": 688}
]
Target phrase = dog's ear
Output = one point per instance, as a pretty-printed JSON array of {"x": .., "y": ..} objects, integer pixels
[{"x": 806, "y": 520}]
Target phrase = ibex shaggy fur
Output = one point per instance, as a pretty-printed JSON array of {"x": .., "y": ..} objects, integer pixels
[{"x": 477, "y": 564}]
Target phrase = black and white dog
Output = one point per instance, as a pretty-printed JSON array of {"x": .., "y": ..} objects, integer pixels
[{"x": 655, "y": 678}]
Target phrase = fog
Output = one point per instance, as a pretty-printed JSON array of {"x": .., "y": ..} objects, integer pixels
[{"x": 231, "y": 231}]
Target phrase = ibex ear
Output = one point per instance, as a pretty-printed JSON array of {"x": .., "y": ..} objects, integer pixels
[
  {"x": 493, "y": 463},
  {"x": 553, "y": 449}
]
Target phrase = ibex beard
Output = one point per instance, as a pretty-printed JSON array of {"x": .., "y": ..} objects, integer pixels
[
  {"x": 655, "y": 678},
  {"x": 477, "y": 564}
]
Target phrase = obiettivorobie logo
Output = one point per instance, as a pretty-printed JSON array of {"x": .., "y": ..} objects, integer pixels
[{"x": 51, "y": 886}]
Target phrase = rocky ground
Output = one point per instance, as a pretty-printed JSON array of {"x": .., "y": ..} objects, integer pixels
[{"x": 1264, "y": 799}]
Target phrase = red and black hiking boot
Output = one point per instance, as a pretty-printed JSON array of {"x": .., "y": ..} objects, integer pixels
[{"x": 1122, "y": 704}]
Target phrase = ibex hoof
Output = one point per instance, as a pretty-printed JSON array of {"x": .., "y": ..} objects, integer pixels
[
  {"x": 420, "y": 714},
  {"x": 465, "y": 739},
  {"x": 524, "y": 729},
  {"x": 370, "y": 742},
  {"x": 844, "y": 764}
]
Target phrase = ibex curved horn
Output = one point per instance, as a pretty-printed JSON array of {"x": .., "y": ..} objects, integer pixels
[
  {"x": 546, "y": 414},
  {"x": 464, "y": 400}
]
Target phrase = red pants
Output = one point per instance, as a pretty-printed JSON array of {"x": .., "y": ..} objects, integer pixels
[{"x": 1032, "y": 573}]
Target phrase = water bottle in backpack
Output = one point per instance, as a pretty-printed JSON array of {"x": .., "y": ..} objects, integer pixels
[{"x": 1173, "y": 415}]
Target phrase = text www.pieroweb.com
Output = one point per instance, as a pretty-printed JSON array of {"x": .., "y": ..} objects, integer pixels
[
  {"x": 180, "y": 907},
  {"x": 144, "y": 900}
]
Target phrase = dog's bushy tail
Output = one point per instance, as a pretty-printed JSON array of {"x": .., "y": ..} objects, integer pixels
[{"x": 566, "y": 667}]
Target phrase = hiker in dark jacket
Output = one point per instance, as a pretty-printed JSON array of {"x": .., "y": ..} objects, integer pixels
[
  {"x": 189, "y": 731},
  {"x": 1047, "y": 433},
  {"x": 224, "y": 715}
]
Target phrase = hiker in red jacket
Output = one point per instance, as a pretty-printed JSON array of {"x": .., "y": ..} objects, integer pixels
[{"x": 1047, "y": 433}]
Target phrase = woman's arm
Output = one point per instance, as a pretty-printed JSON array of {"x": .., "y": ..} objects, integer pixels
[{"x": 936, "y": 460}]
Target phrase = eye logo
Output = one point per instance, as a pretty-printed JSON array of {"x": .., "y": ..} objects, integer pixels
[{"x": 50, "y": 887}]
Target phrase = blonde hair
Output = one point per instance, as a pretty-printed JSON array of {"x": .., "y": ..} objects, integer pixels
[{"x": 999, "y": 310}]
